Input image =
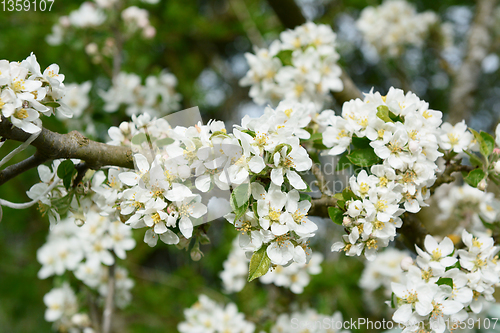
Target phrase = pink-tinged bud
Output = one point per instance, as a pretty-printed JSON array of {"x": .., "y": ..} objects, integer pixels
[
  {"x": 496, "y": 151},
  {"x": 346, "y": 221},
  {"x": 406, "y": 263},
  {"x": 482, "y": 185},
  {"x": 149, "y": 32},
  {"x": 64, "y": 21},
  {"x": 169, "y": 210}
]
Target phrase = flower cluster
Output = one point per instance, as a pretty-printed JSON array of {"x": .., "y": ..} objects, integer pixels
[
  {"x": 26, "y": 91},
  {"x": 166, "y": 192},
  {"x": 309, "y": 321},
  {"x": 394, "y": 25},
  {"x": 294, "y": 277},
  {"x": 137, "y": 19},
  {"x": 208, "y": 316},
  {"x": 62, "y": 309},
  {"x": 157, "y": 97},
  {"x": 87, "y": 250},
  {"x": 401, "y": 132},
  {"x": 446, "y": 285},
  {"x": 92, "y": 15},
  {"x": 468, "y": 205},
  {"x": 300, "y": 66}
]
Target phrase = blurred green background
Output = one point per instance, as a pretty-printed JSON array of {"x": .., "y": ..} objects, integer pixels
[{"x": 202, "y": 43}]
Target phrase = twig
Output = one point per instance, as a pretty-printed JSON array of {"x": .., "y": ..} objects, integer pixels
[
  {"x": 241, "y": 11},
  {"x": 466, "y": 81},
  {"x": 117, "y": 55},
  {"x": 412, "y": 231},
  {"x": 320, "y": 177},
  {"x": 446, "y": 177},
  {"x": 19, "y": 149},
  {"x": 319, "y": 207},
  {"x": 21, "y": 167},
  {"x": 94, "y": 315},
  {"x": 109, "y": 303},
  {"x": 51, "y": 145},
  {"x": 82, "y": 169}
]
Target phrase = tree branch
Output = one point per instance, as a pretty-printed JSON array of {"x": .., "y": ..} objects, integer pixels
[
  {"x": 290, "y": 15},
  {"x": 51, "y": 145},
  {"x": 466, "y": 81},
  {"x": 319, "y": 207},
  {"x": 21, "y": 167}
]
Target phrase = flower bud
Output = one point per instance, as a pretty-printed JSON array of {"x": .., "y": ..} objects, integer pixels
[
  {"x": 497, "y": 166},
  {"x": 149, "y": 32},
  {"x": 64, "y": 21},
  {"x": 124, "y": 127},
  {"x": 346, "y": 221},
  {"x": 406, "y": 263},
  {"x": 91, "y": 48},
  {"x": 196, "y": 253},
  {"x": 482, "y": 184}
]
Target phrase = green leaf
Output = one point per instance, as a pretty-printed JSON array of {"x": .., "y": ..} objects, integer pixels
[
  {"x": 254, "y": 209},
  {"x": 446, "y": 281},
  {"x": 343, "y": 163},
  {"x": 286, "y": 57},
  {"x": 456, "y": 265},
  {"x": 486, "y": 148},
  {"x": 360, "y": 143},
  {"x": 341, "y": 204},
  {"x": 304, "y": 196},
  {"x": 218, "y": 133},
  {"x": 316, "y": 137},
  {"x": 339, "y": 196},
  {"x": 139, "y": 138},
  {"x": 65, "y": 171},
  {"x": 52, "y": 104},
  {"x": 280, "y": 147},
  {"x": 396, "y": 118},
  {"x": 164, "y": 142},
  {"x": 320, "y": 146},
  {"x": 240, "y": 199},
  {"x": 392, "y": 301},
  {"x": 249, "y": 132},
  {"x": 347, "y": 194},
  {"x": 259, "y": 264},
  {"x": 474, "y": 160},
  {"x": 363, "y": 157},
  {"x": 383, "y": 113},
  {"x": 336, "y": 214},
  {"x": 474, "y": 177}
]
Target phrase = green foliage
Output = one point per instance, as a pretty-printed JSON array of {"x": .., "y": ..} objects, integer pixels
[
  {"x": 474, "y": 177},
  {"x": 445, "y": 281},
  {"x": 240, "y": 199},
  {"x": 336, "y": 214},
  {"x": 363, "y": 157},
  {"x": 66, "y": 171},
  {"x": 259, "y": 264}
]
